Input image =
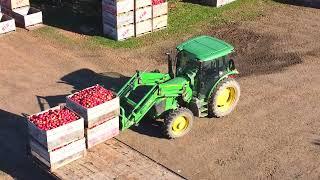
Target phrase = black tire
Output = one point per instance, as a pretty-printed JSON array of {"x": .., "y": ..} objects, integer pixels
[
  {"x": 169, "y": 122},
  {"x": 214, "y": 110}
]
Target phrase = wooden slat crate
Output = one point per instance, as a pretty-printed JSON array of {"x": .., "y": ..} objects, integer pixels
[
  {"x": 143, "y": 27},
  {"x": 25, "y": 16},
  {"x": 142, "y": 3},
  {"x": 117, "y": 6},
  {"x": 13, "y": 4},
  {"x": 98, "y": 113},
  {"x": 59, "y": 136},
  {"x": 160, "y": 9},
  {"x": 102, "y": 132},
  {"x": 60, "y": 157},
  {"x": 216, "y": 3},
  {"x": 7, "y": 24},
  {"x": 118, "y": 33},
  {"x": 143, "y": 14},
  {"x": 160, "y": 22},
  {"x": 118, "y": 19}
]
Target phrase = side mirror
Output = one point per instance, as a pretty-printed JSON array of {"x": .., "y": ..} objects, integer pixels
[{"x": 232, "y": 66}]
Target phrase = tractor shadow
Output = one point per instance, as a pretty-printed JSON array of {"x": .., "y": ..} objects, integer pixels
[
  {"x": 83, "y": 78},
  {"x": 13, "y": 150},
  {"x": 305, "y": 3}
]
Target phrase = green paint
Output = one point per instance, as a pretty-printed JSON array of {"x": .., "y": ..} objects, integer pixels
[
  {"x": 206, "y": 48},
  {"x": 191, "y": 81}
]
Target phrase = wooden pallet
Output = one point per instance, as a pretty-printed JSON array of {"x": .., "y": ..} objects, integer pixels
[
  {"x": 115, "y": 160},
  {"x": 60, "y": 157},
  {"x": 102, "y": 132},
  {"x": 59, "y": 136}
]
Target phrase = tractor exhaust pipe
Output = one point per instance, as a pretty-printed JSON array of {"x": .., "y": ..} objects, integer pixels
[{"x": 170, "y": 65}]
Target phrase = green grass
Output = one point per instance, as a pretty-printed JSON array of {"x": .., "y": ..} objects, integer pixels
[
  {"x": 184, "y": 19},
  {"x": 188, "y": 18}
]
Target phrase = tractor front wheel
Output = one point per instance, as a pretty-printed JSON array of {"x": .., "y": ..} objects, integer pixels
[
  {"x": 178, "y": 123},
  {"x": 224, "y": 98}
]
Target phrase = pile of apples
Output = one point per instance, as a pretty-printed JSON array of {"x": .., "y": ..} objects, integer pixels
[
  {"x": 92, "y": 96},
  {"x": 156, "y": 2},
  {"x": 53, "y": 118}
]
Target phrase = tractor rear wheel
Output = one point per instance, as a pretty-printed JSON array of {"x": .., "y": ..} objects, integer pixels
[
  {"x": 178, "y": 123},
  {"x": 224, "y": 98}
]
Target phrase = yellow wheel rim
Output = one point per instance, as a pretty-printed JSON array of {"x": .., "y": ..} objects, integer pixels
[
  {"x": 180, "y": 124},
  {"x": 226, "y": 99}
]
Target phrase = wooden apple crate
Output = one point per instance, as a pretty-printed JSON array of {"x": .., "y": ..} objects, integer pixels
[
  {"x": 97, "y": 114},
  {"x": 25, "y": 16},
  {"x": 216, "y": 3},
  {"x": 13, "y": 4},
  {"x": 7, "y": 24},
  {"x": 143, "y": 27},
  {"x": 159, "y": 9},
  {"x": 160, "y": 22},
  {"x": 117, "y": 6},
  {"x": 118, "y": 33},
  {"x": 142, "y": 3},
  {"x": 102, "y": 132},
  {"x": 60, "y": 157},
  {"x": 59, "y": 136},
  {"x": 143, "y": 13},
  {"x": 120, "y": 19}
]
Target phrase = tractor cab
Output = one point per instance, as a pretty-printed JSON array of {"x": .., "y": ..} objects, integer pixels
[{"x": 204, "y": 60}]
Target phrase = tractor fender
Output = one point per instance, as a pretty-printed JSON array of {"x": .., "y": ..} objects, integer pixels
[{"x": 221, "y": 79}]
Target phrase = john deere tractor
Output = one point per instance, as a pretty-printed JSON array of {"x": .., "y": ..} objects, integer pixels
[{"x": 200, "y": 82}]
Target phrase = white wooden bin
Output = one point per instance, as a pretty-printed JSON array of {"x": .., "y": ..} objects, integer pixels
[
  {"x": 119, "y": 33},
  {"x": 25, "y": 16},
  {"x": 96, "y": 114},
  {"x": 60, "y": 157},
  {"x": 117, "y": 6},
  {"x": 160, "y": 9},
  {"x": 223, "y": 2},
  {"x": 102, "y": 132},
  {"x": 143, "y": 14},
  {"x": 7, "y": 24},
  {"x": 13, "y": 4},
  {"x": 142, "y": 3},
  {"x": 160, "y": 22},
  {"x": 59, "y": 136},
  {"x": 143, "y": 27},
  {"x": 118, "y": 19},
  {"x": 216, "y": 3}
]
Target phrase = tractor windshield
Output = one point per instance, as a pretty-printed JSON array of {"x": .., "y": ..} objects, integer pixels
[{"x": 185, "y": 62}]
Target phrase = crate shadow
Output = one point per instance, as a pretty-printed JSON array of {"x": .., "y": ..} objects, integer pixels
[
  {"x": 82, "y": 17},
  {"x": 305, "y": 3},
  {"x": 13, "y": 150}
]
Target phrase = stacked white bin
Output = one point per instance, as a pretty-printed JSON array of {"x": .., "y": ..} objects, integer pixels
[
  {"x": 143, "y": 17},
  {"x": 118, "y": 18},
  {"x": 22, "y": 12}
]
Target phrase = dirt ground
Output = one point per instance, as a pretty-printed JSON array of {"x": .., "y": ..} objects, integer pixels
[{"x": 274, "y": 132}]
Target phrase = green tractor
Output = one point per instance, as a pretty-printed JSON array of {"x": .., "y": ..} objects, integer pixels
[{"x": 200, "y": 82}]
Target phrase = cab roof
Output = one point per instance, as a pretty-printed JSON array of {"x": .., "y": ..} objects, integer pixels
[{"x": 206, "y": 48}]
